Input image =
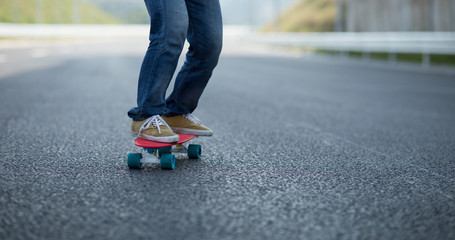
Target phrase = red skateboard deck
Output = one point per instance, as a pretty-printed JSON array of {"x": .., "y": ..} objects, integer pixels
[{"x": 140, "y": 142}]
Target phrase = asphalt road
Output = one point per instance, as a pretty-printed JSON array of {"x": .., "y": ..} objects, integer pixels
[{"x": 304, "y": 148}]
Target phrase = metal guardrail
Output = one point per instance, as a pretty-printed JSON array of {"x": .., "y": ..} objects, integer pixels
[{"x": 425, "y": 43}]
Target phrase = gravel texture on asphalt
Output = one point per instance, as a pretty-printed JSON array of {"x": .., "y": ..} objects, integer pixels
[{"x": 302, "y": 150}]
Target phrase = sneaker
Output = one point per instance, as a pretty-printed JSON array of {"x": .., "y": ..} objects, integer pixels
[
  {"x": 154, "y": 129},
  {"x": 188, "y": 124}
]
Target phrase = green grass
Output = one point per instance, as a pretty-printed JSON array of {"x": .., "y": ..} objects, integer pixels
[
  {"x": 443, "y": 59},
  {"x": 409, "y": 57},
  {"x": 379, "y": 55},
  {"x": 53, "y": 11},
  {"x": 355, "y": 54},
  {"x": 306, "y": 16},
  {"x": 436, "y": 59}
]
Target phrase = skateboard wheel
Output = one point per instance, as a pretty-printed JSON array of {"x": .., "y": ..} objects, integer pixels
[
  {"x": 164, "y": 150},
  {"x": 167, "y": 161},
  {"x": 194, "y": 151},
  {"x": 134, "y": 160}
]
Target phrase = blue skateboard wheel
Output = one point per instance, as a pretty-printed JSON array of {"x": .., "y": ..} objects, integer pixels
[
  {"x": 167, "y": 161},
  {"x": 194, "y": 151},
  {"x": 134, "y": 160},
  {"x": 164, "y": 150}
]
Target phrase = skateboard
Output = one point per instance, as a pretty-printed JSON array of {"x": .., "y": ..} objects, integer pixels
[{"x": 162, "y": 153}]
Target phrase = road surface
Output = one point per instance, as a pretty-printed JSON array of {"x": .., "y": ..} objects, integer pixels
[{"x": 304, "y": 148}]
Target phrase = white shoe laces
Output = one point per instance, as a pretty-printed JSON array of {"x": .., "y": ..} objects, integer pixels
[
  {"x": 156, "y": 121},
  {"x": 192, "y": 118}
]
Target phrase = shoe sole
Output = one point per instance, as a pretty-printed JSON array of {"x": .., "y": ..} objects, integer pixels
[
  {"x": 169, "y": 139},
  {"x": 192, "y": 132}
]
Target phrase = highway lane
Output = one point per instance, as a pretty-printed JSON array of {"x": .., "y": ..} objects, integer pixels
[{"x": 304, "y": 148}]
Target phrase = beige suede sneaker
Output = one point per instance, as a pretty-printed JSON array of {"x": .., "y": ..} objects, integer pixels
[
  {"x": 188, "y": 124},
  {"x": 154, "y": 129}
]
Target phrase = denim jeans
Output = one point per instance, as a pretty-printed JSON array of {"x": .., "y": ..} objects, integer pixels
[{"x": 173, "y": 21}]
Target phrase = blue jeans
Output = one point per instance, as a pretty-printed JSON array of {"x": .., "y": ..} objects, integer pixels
[{"x": 173, "y": 21}]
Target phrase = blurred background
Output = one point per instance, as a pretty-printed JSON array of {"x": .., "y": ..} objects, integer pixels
[
  {"x": 416, "y": 31},
  {"x": 267, "y": 15}
]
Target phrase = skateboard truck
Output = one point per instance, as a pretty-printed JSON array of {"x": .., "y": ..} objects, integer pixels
[{"x": 162, "y": 153}]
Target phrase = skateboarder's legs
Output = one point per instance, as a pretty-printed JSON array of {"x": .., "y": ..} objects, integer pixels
[{"x": 171, "y": 21}]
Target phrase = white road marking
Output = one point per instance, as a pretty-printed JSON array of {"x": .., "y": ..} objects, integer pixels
[
  {"x": 65, "y": 50},
  {"x": 39, "y": 53},
  {"x": 26, "y": 66}
]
